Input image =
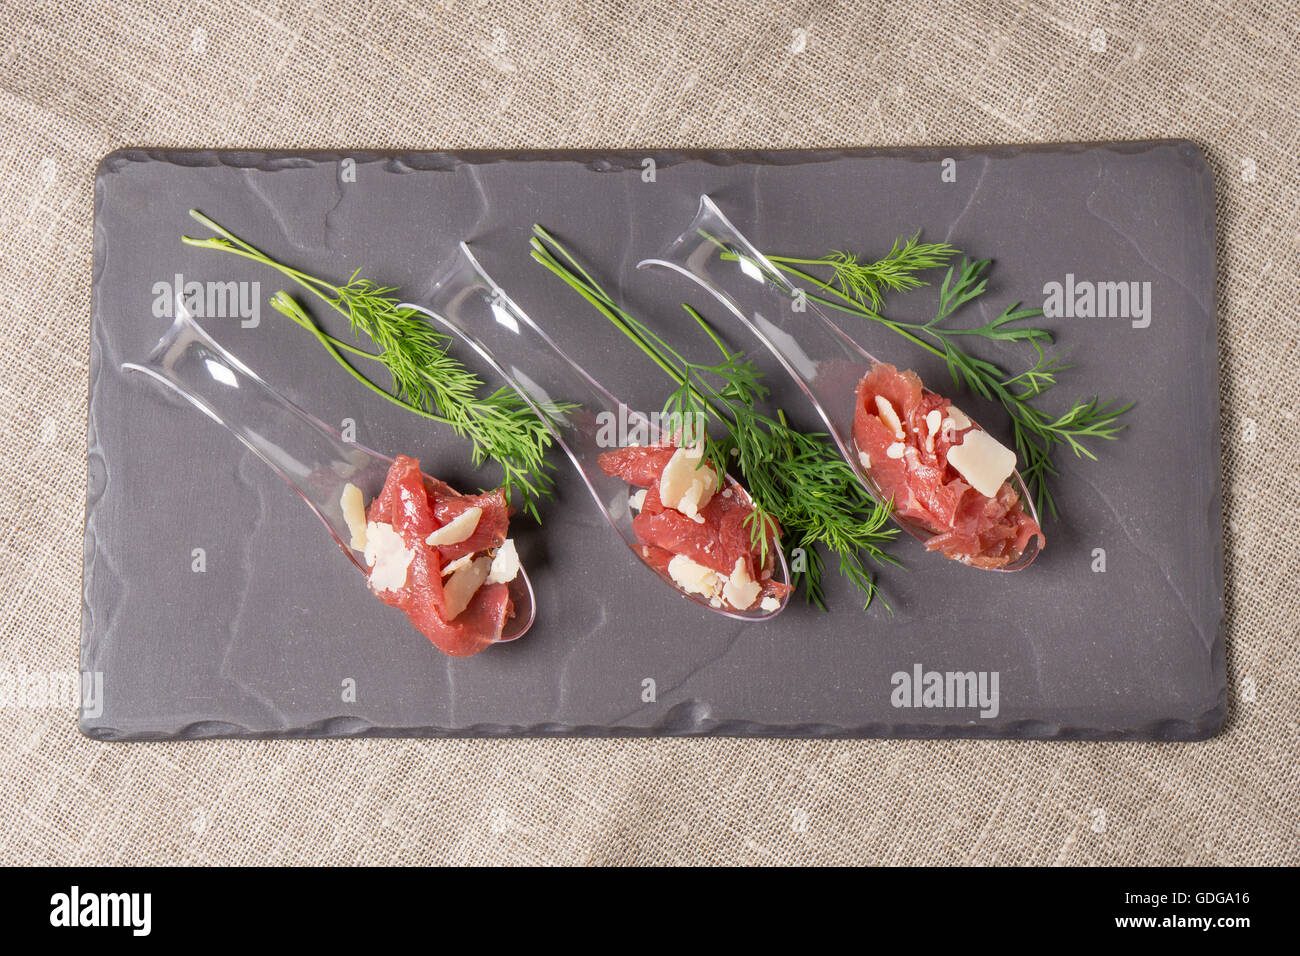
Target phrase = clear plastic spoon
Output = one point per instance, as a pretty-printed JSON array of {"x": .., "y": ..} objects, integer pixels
[
  {"x": 312, "y": 458},
  {"x": 467, "y": 301},
  {"x": 820, "y": 357}
]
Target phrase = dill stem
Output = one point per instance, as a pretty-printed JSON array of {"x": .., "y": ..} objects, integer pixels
[
  {"x": 290, "y": 309},
  {"x": 335, "y": 345},
  {"x": 847, "y": 303},
  {"x": 250, "y": 251},
  {"x": 286, "y": 306},
  {"x": 797, "y": 261},
  {"x": 620, "y": 320},
  {"x": 308, "y": 282}
]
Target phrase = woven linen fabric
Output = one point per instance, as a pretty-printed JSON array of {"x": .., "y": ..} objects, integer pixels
[{"x": 80, "y": 79}]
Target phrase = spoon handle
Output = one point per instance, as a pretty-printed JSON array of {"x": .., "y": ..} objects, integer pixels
[
  {"x": 311, "y": 457},
  {"x": 468, "y": 301}
]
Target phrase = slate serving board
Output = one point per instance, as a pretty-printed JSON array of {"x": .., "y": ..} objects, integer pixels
[{"x": 266, "y": 638}]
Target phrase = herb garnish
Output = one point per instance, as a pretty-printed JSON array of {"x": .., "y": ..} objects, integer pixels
[
  {"x": 426, "y": 379},
  {"x": 864, "y": 281},
  {"x": 858, "y": 288},
  {"x": 796, "y": 477}
]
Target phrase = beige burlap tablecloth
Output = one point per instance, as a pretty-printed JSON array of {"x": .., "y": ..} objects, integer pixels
[{"x": 78, "y": 80}]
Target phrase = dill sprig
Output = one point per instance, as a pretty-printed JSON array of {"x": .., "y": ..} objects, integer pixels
[
  {"x": 427, "y": 380},
  {"x": 864, "y": 282},
  {"x": 794, "y": 477},
  {"x": 1037, "y": 434}
]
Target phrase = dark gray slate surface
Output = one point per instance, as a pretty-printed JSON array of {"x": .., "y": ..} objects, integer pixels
[{"x": 261, "y": 642}]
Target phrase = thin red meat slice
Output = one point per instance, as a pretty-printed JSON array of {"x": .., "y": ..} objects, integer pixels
[
  {"x": 639, "y": 465},
  {"x": 967, "y": 526},
  {"x": 405, "y": 503},
  {"x": 717, "y": 543},
  {"x": 492, "y": 523}
]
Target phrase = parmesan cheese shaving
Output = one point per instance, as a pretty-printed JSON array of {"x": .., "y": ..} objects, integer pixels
[
  {"x": 505, "y": 563},
  {"x": 456, "y": 565},
  {"x": 741, "y": 591},
  {"x": 456, "y": 530},
  {"x": 354, "y": 514},
  {"x": 983, "y": 461},
  {"x": 687, "y": 485},
  {"x": 889, "y": 417},
  {"x": 694, "y": 578},
  {"x": 463, "y": 585},
  {"x": 933, "y": 421},
  {"x": 959, "y": 419},
  {"x": 387, "y": 556}
]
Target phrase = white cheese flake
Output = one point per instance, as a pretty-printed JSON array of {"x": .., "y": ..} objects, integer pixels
[
  {"x": 954, "y": 423},
  {"x": 741, "y": 591},
  {"x": 694, "y": 578},
  {"x": 505, "y": 563},
  {"x": 685, "y": 484},
  {"x": 456, "y": 565},
  {"x": 463, "y": 585},
  {"x": 889, "y": 417},
  {"x": 456, "y": 530},
  {"x": 637, "y": 501},
  {"x": 387, "y": 556},
  {"x": 983, "y": 461},
  {"x": 896, "y": 450},
  {"x": 865, "y": 459},
  {"x": 769, "y": 603},
  {"x": 354, "y": 513},
  {"x": 933, "y": 422}
]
